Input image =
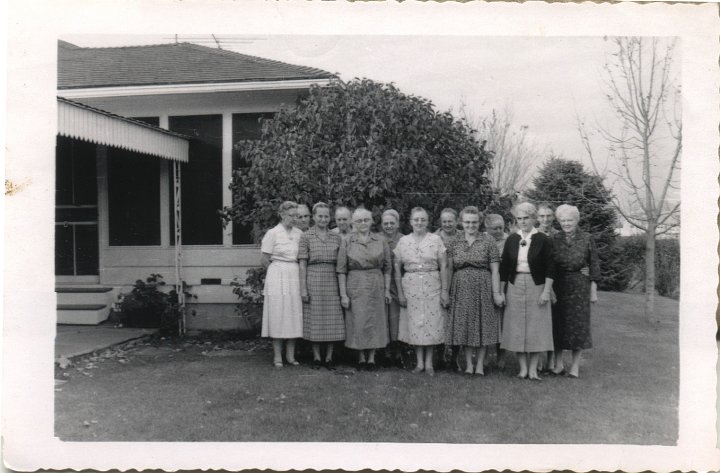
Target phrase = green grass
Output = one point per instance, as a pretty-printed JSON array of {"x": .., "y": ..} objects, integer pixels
[{"x": 627, "y": 394}]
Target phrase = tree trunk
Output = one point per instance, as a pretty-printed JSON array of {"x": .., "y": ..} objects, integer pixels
[{"x": 650, "y": 271}]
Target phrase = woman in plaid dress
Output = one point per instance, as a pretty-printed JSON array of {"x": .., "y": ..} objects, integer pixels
[{"x": 322, "y": 318}]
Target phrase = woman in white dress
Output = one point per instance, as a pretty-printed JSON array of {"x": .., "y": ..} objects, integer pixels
[
  {"x": 423, "y": 290},
  {"x": 282, "y": 308}
]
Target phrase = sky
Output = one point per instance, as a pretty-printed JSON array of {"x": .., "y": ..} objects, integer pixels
[{"x": 547, "y": 82}]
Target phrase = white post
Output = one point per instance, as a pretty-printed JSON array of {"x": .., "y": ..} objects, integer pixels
[
  {"x": 227, "y": 145},
  {"x": 178, "y": 244}
]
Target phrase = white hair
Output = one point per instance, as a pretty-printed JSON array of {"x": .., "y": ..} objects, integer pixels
[
  {"x": 526, "y": 207},
  {"x": 360, "y": 212},
  {"x": 567, "y": 210}
]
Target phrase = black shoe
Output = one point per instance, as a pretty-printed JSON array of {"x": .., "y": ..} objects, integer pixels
[
  {"x": 329, "y": 365},
  {"x": 361, "y": 366},
  {"x": 316, "y": 364},
  {"x": 371, "y": 366}
]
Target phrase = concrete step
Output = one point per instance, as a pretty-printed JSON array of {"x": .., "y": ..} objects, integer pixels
[
  {"x": 84, "y": 295},
  {"x": 82, "y": 314}
]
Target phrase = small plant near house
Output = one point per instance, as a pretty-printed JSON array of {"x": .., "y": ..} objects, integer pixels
[
  {"x": 147, "y": 306},
  {"x": 250, "y": 296}
]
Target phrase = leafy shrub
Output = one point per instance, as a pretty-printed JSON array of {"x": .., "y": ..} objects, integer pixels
[
  {"x": 147, "y": 306},
  {"x": 250, "y": 295}
]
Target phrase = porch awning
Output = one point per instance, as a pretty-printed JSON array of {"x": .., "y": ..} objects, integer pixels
[{"x": 76, "y": 120}]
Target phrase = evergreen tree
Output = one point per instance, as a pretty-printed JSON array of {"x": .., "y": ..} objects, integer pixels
[{"x": 562, "y": 181}]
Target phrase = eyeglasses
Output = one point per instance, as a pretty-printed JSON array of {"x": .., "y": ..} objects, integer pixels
[{"x": 363, "y": 220}]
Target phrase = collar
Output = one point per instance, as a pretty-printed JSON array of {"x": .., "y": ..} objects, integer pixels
[{"x": 532, "y": 232}]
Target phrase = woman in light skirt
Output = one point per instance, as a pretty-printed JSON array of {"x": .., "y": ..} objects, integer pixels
[
  {"x": 282, "y": 307},
  {"x": 527, "y": 270}
]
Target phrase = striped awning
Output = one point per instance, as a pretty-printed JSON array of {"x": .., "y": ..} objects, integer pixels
[{"x": 76, "y": 120}]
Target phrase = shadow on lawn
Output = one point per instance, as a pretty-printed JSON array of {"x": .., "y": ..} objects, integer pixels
[{"x": 224, "y": 388}]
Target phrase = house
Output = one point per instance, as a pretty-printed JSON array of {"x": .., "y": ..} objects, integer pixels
[{"x": 116, "y": 203}]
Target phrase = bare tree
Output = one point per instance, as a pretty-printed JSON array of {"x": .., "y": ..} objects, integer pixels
[
  {"x": 645, "y": 142},
  {"x": 514, "y": 154}
]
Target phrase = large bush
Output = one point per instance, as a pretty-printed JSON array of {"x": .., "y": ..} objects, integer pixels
[
  {"x": 359, "y": 143},
  {"x": 562, "y": 181}
]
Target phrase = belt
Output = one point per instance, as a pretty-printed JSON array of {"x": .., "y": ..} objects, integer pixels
[{"x": 422, "y": 270}]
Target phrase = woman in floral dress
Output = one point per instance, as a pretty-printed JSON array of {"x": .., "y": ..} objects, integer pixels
[
  {"x": 574, "y": 250},
  {"x": 422, "y": 290},
  {"x": 473, "y": 262},
  {"x": 323, "y": 317}
]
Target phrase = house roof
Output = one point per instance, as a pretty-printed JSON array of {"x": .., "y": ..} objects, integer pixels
[{"x": 169, "y": 64}]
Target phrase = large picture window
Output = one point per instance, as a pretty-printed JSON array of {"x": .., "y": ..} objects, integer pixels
[
  {"x": 201, "y": 180},
  {"x": 133, "y": 198},
  {"x": 245, "y": 126}
]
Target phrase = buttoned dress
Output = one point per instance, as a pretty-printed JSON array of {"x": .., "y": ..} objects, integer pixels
[
  {"x": 571, "y": 312},
  {"x": 365, "y": 264},
  {"x": 422, "y": 322},
  {"x": 282, "y": 307},
  {"x": 322, "y": 316}
]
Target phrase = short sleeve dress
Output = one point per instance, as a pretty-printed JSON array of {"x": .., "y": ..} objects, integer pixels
[
  {"x": 422, "y": 322},
  {"x": 365, "y": 263},
  {"x": 571, "y": 312},
  {"x": 322, "y": 316},
  {"x": 472, "y": 319},
  {"x": 282, "y": 306}
]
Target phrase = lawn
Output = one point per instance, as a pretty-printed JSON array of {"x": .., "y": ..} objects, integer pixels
[{"x": 197, "y": 390}]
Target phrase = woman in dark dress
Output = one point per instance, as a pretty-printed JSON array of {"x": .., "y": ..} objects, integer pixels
[
  {"x": 574, "y": 250},
  {"x": 473, "y": 264},
  {"x": 390, "y": 224}
]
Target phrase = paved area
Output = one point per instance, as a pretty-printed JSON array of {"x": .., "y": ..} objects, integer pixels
[{"x": 74, "y": 340}]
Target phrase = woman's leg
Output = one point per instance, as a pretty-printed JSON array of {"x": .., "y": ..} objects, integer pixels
[
  {"x": 480, "y": 363},
  {"x": 429, "y": 352},
  {"x": 329, "y": 352},
  {"x": 371, "y": 356},
  {"x": 532, "y": 370},
  {"x": 290, "y": 351},
  {"x": 575, "y": 368},
  {"x": 361, "y": 357},
  {"x": 316, "y": 351},
  {"x": 420, "y": 355},
  {"x": 559, "y": 365},
  {"x": 551, "y": 361},
  {"x": 522, "y": 360},
  {"x": 277, "y": 351},
  {"x": 468, "y": 360}
]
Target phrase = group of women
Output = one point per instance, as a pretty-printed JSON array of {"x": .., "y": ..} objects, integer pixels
[{"x": 528, "y": 292}]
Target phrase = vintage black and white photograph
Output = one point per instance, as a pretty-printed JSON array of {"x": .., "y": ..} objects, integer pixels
[
  {"x": 368, "y": 239},
  {"x": 365, "y": 241}
]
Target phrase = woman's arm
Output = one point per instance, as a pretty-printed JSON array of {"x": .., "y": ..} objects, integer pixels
[
  {"x": 444, "y": 283},
  {"x": 498, "y": 296},
  {"x": 398, "y": 282},
  {"x": 265, "y": 260},
  {"x": 344, "y": 299},
  {"x": 546, "y": 294},
  {"x": 303, "y": 281}
]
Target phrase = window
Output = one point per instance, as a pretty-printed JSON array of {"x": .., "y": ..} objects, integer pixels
[
  {"x": 245, "y": 126},
  {"x": 201, "y": 180},
  {"x": 133, "y": 198}
]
